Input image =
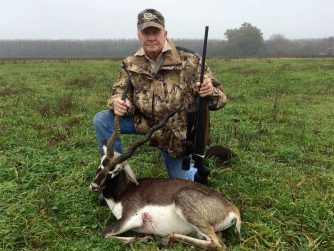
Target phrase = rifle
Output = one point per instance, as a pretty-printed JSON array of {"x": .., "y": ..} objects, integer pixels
[{"x": 198, "y": 130}]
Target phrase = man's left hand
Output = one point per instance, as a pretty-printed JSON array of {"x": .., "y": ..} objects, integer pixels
[{"x": 205, "y": 89}]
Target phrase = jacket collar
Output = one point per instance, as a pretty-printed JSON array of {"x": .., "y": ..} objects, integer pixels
[
  {"x": 171, "y": 60},
  {"x": 172, "y": 57}
]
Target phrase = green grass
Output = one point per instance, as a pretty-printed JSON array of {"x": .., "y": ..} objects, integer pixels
[{"x": 279, "y": 122}]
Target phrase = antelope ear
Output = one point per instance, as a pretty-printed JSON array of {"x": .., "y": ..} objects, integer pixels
[
  {"x": 105, "y": 149},
  {"x": 130, "y": 173}
]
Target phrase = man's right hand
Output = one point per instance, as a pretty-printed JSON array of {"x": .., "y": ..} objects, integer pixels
[{"x": 121, "y": 106}]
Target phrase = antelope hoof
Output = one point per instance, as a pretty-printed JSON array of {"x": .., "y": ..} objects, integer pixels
[
  {"x": 167, "y": 241},
  {"x": 145, "y": 239}
]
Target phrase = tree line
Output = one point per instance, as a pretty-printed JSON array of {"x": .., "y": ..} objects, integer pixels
[{"x": 247, "y": 40}]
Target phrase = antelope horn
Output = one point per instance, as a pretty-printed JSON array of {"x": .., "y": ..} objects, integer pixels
[
  {"x": 114, "y": 136},
  {"x": 117, "y": 131},
  {"x": 131, "y": 150}
]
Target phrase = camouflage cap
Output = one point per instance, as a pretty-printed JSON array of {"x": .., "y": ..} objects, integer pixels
[{"x": 150, "y": 18}]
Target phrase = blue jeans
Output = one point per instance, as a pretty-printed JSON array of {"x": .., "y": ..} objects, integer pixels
[{"x": 104, "y": 127}]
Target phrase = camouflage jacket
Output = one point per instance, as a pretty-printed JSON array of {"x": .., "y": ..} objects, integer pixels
[{"x": 155, "y": 95}]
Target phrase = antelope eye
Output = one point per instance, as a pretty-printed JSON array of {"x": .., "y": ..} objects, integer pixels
[{"x": 114, "y": 173}]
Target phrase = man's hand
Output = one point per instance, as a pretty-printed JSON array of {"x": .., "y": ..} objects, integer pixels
[
  {"x": 206, "y": 89},
  {"x": 121, "y": 107}
]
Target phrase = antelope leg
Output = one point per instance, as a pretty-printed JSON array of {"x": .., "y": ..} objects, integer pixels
[
  {"x": 125, "y": 240},
  {"x": 122, "y": 225},
  {"x": 130, "y": 240},
  {"x": 204, "y": 244}
]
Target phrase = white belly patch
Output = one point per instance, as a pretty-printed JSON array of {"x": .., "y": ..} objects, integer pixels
[
  {"x": 153, "y": 219},
  {"x": 162, "y": 220}
]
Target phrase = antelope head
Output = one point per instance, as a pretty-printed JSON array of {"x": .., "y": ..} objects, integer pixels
[{"x": 112, "y": 163}]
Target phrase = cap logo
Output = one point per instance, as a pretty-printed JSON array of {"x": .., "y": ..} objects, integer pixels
[{"x": 149, "y": 16}]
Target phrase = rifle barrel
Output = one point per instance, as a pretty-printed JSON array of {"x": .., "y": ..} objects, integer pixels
[{"x": 201, "y": 79}]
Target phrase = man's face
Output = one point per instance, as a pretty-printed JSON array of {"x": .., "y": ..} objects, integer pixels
[{"x": 152, "y": 39}]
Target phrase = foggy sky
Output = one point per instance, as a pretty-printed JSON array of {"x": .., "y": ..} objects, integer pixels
[{"x": 106, "y": 19}]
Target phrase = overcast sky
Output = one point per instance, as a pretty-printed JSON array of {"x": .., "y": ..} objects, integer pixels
[{"x": 105, "y": 19}]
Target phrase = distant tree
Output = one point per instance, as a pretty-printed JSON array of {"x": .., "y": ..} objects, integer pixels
[
  {"x": 330, "y": 46},
  {"x": 245, "y": 41},
  {"x": 278, "y": 45}
]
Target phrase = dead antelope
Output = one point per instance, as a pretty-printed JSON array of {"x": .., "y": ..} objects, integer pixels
[{"x": 172, "y": 208}]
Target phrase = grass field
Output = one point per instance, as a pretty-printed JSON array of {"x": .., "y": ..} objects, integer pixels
[{"x": 279, "y": 122}]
